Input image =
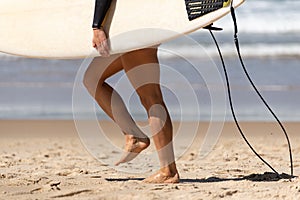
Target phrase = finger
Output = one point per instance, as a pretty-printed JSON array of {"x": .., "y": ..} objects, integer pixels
[
  {"x": 103, "y": 53},
  {"x": 103, "y": 49}
]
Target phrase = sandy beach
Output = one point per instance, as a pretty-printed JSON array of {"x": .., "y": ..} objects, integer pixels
[
  {"x": 46, "y": 160},
  {"x": 51, "y": 159}
]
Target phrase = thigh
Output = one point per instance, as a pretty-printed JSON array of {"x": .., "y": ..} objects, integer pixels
[
  {"x": 139, "y": 57},
  {"x": 142, "y": 69},
  {"x": 102, "y": 68}
]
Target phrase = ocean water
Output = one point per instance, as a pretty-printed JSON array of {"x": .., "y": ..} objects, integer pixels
[{"x": 269, "y": 33}]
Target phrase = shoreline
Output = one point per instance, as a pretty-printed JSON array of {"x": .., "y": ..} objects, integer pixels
[{"x": 33, "y": 127}]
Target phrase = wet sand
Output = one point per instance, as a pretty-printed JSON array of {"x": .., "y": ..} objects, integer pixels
[{"x": 46, "y": 160}]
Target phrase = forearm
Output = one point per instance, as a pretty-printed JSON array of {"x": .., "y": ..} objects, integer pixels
[{"x": 101, "y": 8}]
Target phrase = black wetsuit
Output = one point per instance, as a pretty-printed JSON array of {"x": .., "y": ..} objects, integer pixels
[{"x": 101, "y": 8}]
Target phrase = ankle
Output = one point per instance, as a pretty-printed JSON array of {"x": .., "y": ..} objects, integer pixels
[
  {"x": 130, "y": 137},
  {"x": 169, "y": 170}
]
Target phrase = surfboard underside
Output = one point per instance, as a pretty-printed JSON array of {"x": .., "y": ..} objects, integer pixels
[{"x": 61, "y": 29}]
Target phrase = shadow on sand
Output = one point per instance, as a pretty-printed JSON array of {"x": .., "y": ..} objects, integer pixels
[{"x": 265, "y": 177}]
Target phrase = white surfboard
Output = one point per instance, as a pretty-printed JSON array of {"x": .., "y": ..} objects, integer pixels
[{"x": 62, "y": 28}]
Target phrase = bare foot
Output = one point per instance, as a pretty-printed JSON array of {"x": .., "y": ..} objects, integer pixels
[
  {"x": 161, "y": 177},
  {"x": 133, "y": 147}
]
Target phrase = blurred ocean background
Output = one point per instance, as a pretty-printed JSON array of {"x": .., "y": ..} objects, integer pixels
[{"x": 269, "y": 33}]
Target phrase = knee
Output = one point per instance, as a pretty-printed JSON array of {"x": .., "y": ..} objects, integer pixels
[
  {"x": 86, "y": 81},
  {"x": 149, "y": 100},
  {"x": 91, "y": 83},
  {"x": 156, "y": 109}
]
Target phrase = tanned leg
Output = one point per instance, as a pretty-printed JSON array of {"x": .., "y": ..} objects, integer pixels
[
  {"x": 111, "y": 103},
  {"x": 142, "y": 69}
]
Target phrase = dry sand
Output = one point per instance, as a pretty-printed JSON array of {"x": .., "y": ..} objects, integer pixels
[{"x": 46, "y": 160}]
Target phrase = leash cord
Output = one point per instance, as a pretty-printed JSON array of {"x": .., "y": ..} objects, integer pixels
[{"x": 236, "y": 41}]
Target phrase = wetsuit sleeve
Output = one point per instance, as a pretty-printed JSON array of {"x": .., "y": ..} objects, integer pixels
[{"x": 101, "y": 8}]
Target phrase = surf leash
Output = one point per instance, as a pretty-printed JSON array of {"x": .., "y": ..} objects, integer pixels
[{"x": 236, "y": 41}]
